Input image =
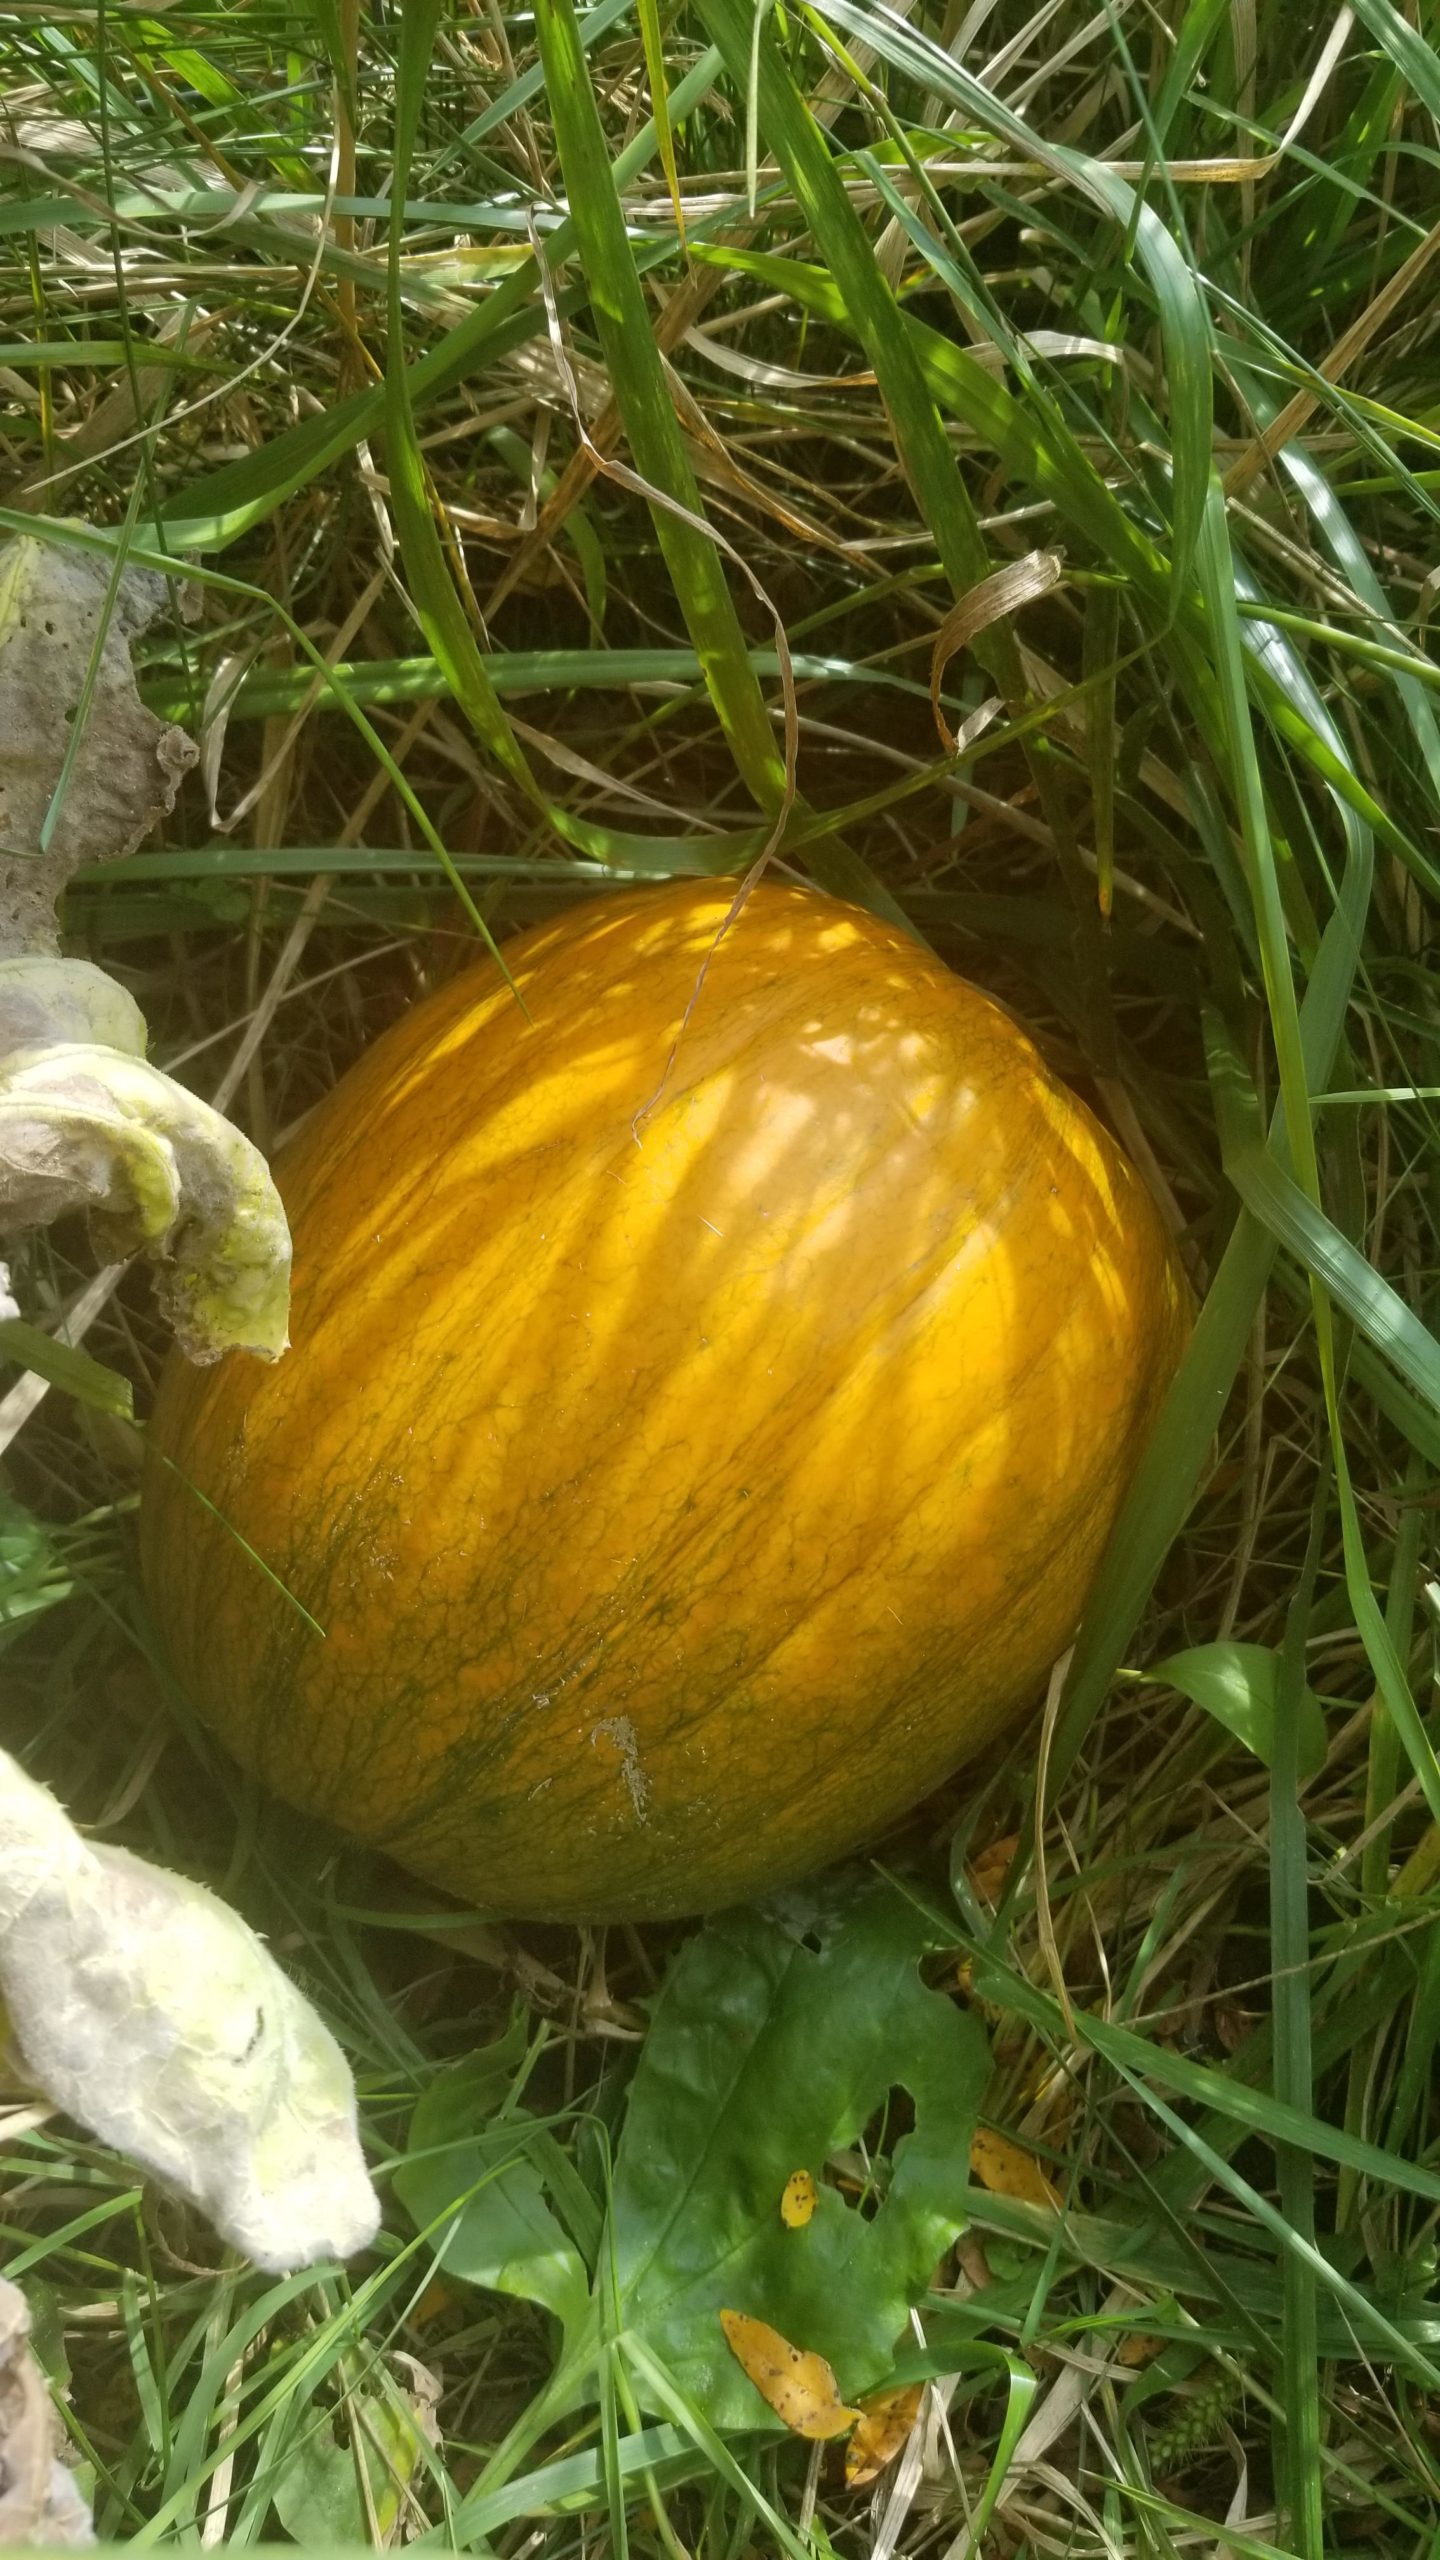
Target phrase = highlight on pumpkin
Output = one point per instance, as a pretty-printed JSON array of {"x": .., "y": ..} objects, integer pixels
[{"x": 854, "y": 1325}]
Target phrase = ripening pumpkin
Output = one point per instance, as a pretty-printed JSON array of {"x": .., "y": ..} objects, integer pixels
[{"x": 713, "y": 1383}]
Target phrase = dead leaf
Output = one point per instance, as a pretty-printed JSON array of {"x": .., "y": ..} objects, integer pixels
[
  {"x": 988, "y": 1872},
  {"x": 991, "y": 600},
  {"x": 65, "y": 639},
  {"x": 144, "y": 2007},
  {"x": 89, "y": 1125},
  {"x": 799, "y": 2200},
  {"x": 797, "y": 2384},
  {"x": 972, "y": 2262},
  {"x": 886, "y": 2420},
  {"x": 437, "y": 2302},
  {"x": 1232, "y": 2024},
  {"x": 1008, "y": 2171},
  {"x": 39, "y": 2500}
]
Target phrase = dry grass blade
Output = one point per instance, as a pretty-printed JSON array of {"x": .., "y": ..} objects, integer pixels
[
  {"x": 1333, "y": 367},
  {"x": 995, "y": 599}
]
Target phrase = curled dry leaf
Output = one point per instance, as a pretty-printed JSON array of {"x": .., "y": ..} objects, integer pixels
[
  {"x": 1002, "y": 593},
  {"x": 798, "y": 2200},
  {"x": 85, "y": 1122},
  {"x": 886, "y": 2421},
  {"x": 128, "y": 765},
  {"x": 40, "y": 2504},
  {"x": 151, "y": 2013},
  {"x": 797, "y": 2384}
]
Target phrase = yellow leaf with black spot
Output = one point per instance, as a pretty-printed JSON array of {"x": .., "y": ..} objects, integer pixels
[
  {"x": 793, "y": 2381},
  {"x": 799, "y": 2200},
  {"x": 886, "y": 2420}
]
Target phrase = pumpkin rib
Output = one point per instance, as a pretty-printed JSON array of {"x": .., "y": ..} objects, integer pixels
[
  {"x": 475, "y": 1765},
  {"x": 677, "y": 1561}
]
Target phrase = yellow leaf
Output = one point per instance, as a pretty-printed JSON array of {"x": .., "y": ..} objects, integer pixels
[
  {"x": 435, "y": 2303},
  {"x": 797, "y": 2384},
  {"x": 886, "y": 2419},
  {"x": 989, "y": 1870},
  {"x": 799, "y": 2200},
  {"x": 1008, "y": 2171}
]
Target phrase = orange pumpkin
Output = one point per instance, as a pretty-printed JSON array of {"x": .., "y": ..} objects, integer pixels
[{"x": 714, "y": 1380}]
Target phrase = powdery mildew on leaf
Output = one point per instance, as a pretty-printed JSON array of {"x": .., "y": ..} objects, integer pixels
[
  {"x": 129, "y": 765},
  {"x": 40, "y": 2504},
  {"x": 149, "y": 2012},
  {"x": 85, "y": 1122},
  {"x": 97, "y": 1129}
]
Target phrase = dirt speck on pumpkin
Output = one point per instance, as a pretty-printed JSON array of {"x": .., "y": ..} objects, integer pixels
[{"x": 620, "y": 1731}]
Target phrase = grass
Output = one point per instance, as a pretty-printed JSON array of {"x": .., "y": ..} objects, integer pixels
[{"x": 584, "y": 426}]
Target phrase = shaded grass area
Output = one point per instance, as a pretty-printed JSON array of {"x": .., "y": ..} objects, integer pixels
[{"x": 588, "y": 432}]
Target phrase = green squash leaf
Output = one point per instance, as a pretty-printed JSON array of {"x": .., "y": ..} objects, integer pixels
[
  {"x": 470, "y": 2182},
  {"x": 778, "y": 2036},
  {"x": 319, "y": 2499},
  {"x": 1239, "y": 1685},
  {"x": 33, "y": 1575}
]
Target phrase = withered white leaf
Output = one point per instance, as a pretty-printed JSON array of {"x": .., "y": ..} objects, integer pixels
[{"x": 149, "y": 2011}]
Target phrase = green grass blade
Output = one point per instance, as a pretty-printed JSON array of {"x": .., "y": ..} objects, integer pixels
[
  {"x": 1279, "y": 1203},
  {"x": 1297, "y": 2439},
  {"x": 648, "y": 412},
  {"x": 211, "y": 513},
  {"x": 433, "y": 588},
  {"x": 62, "y": 1365},
  {"x": 862, "y": 294},
  {"x": 1179, "y": 302},
  {"x": 1196, "y": 2083},
  {"x": 1165, "y": 1482},
  {"x": 1403, "y": 45},
  {"x": 652, "y": 36}
]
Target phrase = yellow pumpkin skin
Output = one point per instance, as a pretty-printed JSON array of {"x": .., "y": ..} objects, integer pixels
[{"x": 712, "y": 1389}]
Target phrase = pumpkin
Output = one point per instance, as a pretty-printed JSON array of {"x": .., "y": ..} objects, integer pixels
[{"x": 715, "y": 1377}]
